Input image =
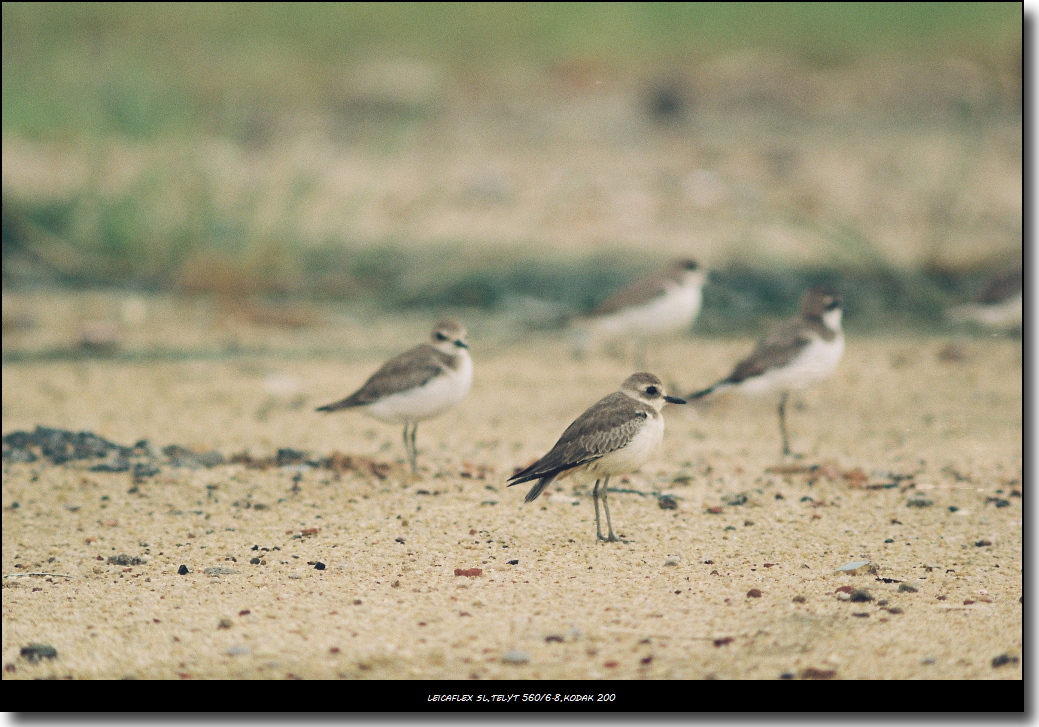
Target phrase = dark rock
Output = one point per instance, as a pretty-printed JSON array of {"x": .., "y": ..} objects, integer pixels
[
  {"x": 124, "y": 559},
  {"x": 34, "y": 652},
  {"x": 1001, "y": 660},
  {"x": 183, "y": 570}
]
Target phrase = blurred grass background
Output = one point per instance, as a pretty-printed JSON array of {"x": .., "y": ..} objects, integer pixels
[{"x": 527, "y": 157}]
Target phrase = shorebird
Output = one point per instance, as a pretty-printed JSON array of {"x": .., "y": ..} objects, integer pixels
[
  {"x": 667, "y": 301},
  {"x": 616, "y": 435},
  {"x": 999, "y": 305},
  {"x": 800, "y": 352},
  {"x": 419, "y": 384}
]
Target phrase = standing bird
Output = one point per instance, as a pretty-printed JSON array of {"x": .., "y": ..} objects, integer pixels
[
  {"x": 419, "y": 384},
  {"x": 999, "y": 305},
  {"x": 667, "y": 301},
  {"x": 616, "y": 435},
  {"x": 800, "y": 352}
]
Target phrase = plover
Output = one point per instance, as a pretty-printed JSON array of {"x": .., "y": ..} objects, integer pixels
[
  {"x": 667, "y": 301},
  {"x": 419, "y": 384},
  {"x": 999, "y": 305},
  {"x": 800, "y": 352},
  {"x": 616, "y": 435}
]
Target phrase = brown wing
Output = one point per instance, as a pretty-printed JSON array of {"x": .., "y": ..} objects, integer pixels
[
  {"x": 606, "y": 427},
  {"x": 638, "y": 293},
  {"x": 776, "y": 349},
  {"x": 411, "y": 369}
]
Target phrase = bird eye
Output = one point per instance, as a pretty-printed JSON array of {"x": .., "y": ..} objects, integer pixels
[
  {"x": 652, "y": 390},
  {"x": 440, "y": 336}
]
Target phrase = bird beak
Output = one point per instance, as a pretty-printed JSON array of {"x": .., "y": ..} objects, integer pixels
[
  {"x": 461, "y": 344},
  {"x": 674, "y": 399}
]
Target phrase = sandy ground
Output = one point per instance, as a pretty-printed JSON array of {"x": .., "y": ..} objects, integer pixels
[{"x": 740, "y": 581}]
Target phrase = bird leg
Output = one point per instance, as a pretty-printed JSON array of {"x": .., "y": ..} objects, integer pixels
[
  {"x": 409, "y": 445},
  {"x": 606, "y": 506},
  {"x": 782, "y": 421},
  {"x": 595, "y": 499}
]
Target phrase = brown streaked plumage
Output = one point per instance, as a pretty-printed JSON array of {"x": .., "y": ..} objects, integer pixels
[
  {"x": 613, "y": 436},
  {"x": 664, "y": 302},
  {"x": 799, "y": 352},
  {"x": 419, "y": 384}
]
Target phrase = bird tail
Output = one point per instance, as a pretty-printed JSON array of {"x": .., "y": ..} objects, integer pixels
[
  {"x": 702, "y": 393},
  {"x": 336, "y": 406},
  {"x": 538, "y": 487}
]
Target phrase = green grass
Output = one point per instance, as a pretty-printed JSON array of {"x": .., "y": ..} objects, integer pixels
[
  {"x": 147, "y": 70},
  {"x": 164, "y": 79}
]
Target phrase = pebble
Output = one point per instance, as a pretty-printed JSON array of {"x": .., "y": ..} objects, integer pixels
[
  {"x": 34, "y": 652},
  {"x": 124, "y": 559},
  {"x": 183, "y": 570},
  {"x": 919, "y": 501},
  {"x": 515, "y": 657},
  {"x": 860, "y": 595},
  {"x": 238, "y": 651},
  {"x": 667, "y": 502},
  {"x": 1001, "y": 660},
  {"x": 857, "y": 567},
  {"x": 671, "y": 560},
  {"x": 911, "y": 587},
  {"x": 219, "y": 570},
  {"x": 319, "y": 566}
]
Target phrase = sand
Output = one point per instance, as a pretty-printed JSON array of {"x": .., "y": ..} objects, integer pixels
[{"x": 911, "y": 461}]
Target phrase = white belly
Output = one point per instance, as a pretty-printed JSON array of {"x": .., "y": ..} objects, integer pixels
[
  {"x": 437, "y": 396},
  {"x": 816, "y": 362},
  {"x": 628, "y": 459},
  {"x": 674, "y": 311}
]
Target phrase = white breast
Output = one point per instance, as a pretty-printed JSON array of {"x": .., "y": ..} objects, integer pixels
[
  {"x": 629, "y": 458},
  {"x": 425, "y": 402},
  {"x": 816, "y": 361},
  {"x": 673, "y": 311}
]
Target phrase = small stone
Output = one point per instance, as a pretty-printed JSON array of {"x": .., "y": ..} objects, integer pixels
[
  {"x": 667, "y": 502},
  {"x": 183, "y": 570},
  {"x": 254, "y": 561},
  {"x": 859, "y": 567},
  {"x": 515, "y": 657},
  {"x": 512, "y": 562},
  {"x": 225, "y": 623},
  {"x": 34, "y": 652},
  {"x": 319, "y": 566},
  {"x": 219, "y": 570},
  {"x": 1001, "y": 660},
  {"x": 919, "y": 501},
  {"x": 671, "y": 560},
  {"x": 754, "y": 593},
  {"x": 928, "y": 660},
  {"x": 799, "y": 599},
  {"x": 124, "y": 559},
  {"x": 238, "y": 651},
  {"x": 983, "y": 543},
  {"x": 860, "y": 595}
]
